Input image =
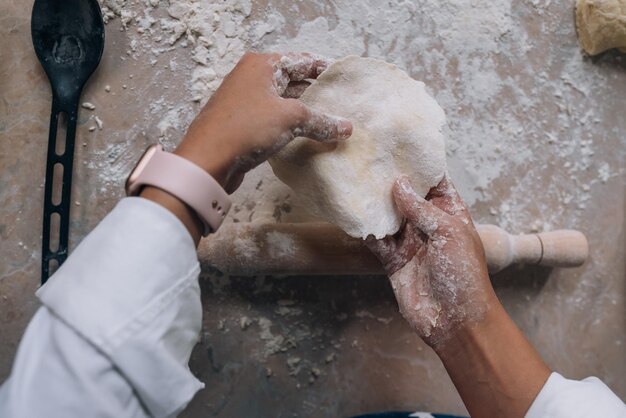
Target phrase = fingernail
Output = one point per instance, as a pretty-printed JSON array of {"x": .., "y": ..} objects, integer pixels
[
  {"x": 404, "y": 185},
  {"x": 344, "y": 128},
  {"x": 321, "y": 65},
  {"x": 403, "y": 190}
]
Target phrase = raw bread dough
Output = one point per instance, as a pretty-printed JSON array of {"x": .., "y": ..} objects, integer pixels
[
  {"x": 601, "y": 25},
  {"x": 396, "y": 130}
]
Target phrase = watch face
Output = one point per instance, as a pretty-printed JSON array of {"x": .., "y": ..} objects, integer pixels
[{"x": 140, "y": 166}]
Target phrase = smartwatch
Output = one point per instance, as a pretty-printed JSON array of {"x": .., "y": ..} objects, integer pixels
[{"x": 183, "y": 179}]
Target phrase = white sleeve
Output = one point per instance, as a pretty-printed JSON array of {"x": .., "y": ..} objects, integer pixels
[
  {"x": 563, "y": 398},
  {"x": 119, "y": 321}
]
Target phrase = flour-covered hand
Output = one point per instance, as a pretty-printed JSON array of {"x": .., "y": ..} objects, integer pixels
[
  {"x": 255, "y": 112},
  {"x": 436, "y": 262}
]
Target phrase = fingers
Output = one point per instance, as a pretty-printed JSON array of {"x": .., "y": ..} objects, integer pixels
[
  {"x": 394, "y": 252},
  {"x": 292, "y": 71},
  {"x": 301, "y": 66},
  {"x": 383, "y": 249},
  {"x": 422, "y": 213},
  {"x": 316, "y": 125},
  {"x": 405, "y": 290},
  {"x": 446, "y": 198},
  {"x": 295, "y": 89},
  {"x": 296, "y": 67},
  {"x": 406, "y": 284}
]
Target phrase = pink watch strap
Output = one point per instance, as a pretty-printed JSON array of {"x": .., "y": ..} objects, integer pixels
[{"x": 189, "y": 183}]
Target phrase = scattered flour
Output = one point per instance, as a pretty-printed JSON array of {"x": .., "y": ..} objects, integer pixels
[
  {"x": 99, "y": 122},
  {"x": 245, "y": 248},
  {"x": 280, "y": 244},
  {"x": 508, "y": 102},
  {"x": 524, "y": 108},
  {"x": 516, "y": 96}
]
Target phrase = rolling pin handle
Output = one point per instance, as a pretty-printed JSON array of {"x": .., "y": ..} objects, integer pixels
[{"x": 563, "y": 248}]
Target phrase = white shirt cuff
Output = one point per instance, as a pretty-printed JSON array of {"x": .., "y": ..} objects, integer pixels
[{"x": 563, "y": 398}]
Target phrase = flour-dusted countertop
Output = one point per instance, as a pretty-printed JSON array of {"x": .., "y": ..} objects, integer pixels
[{"x": 535, "y": 140}]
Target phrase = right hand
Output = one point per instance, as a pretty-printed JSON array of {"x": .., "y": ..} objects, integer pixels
[{"x": 436, "y": 262}]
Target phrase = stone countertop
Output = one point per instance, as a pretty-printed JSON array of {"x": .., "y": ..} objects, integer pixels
[{"x": 536, "y": 140}]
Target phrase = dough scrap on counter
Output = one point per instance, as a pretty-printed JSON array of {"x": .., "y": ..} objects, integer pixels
[
  {"x": 397, "y": 129},
  {"x": 601, "y": 25}
]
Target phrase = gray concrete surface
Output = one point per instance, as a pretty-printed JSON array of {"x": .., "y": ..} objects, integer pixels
[{"x": 336, "y": 346}]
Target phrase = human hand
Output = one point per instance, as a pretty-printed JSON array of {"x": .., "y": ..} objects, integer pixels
[
  {"x": 254, "y": 113},
  {"x": 436, "y": 262}
]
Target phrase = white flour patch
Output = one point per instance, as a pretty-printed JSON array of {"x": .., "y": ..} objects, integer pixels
[
  {"x": 317, "y": 36},
  {"x": 245, "y": 249},
  {"x": 280, "y": 244}
]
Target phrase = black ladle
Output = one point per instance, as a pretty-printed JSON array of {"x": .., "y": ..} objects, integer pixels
[{"x": 68, "y": 36}]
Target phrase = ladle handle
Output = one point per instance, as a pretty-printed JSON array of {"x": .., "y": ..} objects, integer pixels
[{"x": 65, "y": 159}]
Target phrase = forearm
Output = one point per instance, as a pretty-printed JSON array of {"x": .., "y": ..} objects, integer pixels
[{"x": 493, "y": 366}]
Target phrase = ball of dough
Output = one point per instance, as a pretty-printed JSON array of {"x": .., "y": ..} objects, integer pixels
[
  {"x": 396, "y": 130},
  {"x": 601, "y": 25}
]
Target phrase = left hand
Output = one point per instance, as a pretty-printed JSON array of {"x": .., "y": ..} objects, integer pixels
[{"x": 255, "y": 113}]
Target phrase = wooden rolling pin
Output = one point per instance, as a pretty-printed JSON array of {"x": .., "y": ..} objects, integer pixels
[{"x": 282, "y": 249}]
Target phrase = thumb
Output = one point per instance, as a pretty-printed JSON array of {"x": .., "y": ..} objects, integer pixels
[{"x": 422, "y": 213}]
